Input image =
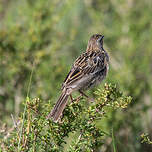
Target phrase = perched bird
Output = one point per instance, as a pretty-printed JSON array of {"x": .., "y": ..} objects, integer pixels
[{"x": 89, "y": 69}]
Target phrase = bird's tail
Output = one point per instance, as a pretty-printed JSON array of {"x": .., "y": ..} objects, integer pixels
[{"x": 59, "y": 107}]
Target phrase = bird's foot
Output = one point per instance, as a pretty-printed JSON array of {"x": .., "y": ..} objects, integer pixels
[{"x": 75, "y": 100}]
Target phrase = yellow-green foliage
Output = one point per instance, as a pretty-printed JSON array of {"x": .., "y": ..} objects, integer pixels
[
  {"x": 145, "y": 138},
  {"x": 52, "y": 34},
  {"x": 79, "y": 118}
]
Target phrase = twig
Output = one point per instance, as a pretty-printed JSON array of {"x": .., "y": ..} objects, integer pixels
[
  {"x": 14, "y": 122},
  {"x": 27, "y": 99}
]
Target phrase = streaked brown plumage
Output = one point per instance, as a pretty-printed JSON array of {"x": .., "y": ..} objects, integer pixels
[{"x": 87, "y": 71}]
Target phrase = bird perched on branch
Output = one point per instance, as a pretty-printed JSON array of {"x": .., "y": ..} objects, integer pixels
[{"x": 89, "y": 69}]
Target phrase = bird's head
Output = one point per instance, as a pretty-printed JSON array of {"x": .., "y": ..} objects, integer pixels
[{"x": 95, "y": 42}]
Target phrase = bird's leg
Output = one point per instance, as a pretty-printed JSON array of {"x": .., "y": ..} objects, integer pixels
[
  {"x": 77, "y": 99},
  {"x": 83, "y": 94},
  {"x": 72, "y": 98}
]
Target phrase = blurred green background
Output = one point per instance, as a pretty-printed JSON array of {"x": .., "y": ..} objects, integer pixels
[{"x": 53, "y": 33}]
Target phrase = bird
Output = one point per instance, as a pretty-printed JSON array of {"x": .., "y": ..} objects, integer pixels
[{"x": 88, "y": 70}]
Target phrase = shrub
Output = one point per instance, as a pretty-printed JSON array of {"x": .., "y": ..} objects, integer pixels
[{"x": 78, "y": 123}]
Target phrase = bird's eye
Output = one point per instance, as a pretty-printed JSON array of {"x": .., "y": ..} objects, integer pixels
[{"x": 98, "y": 37}]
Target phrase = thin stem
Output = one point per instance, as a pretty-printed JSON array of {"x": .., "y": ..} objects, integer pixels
[
  {"x": 27, "y": 99},
  {"x": 113, "y": 142}
]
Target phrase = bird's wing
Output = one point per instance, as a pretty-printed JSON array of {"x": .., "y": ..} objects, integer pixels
[{"x": 87, "y": 63}]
